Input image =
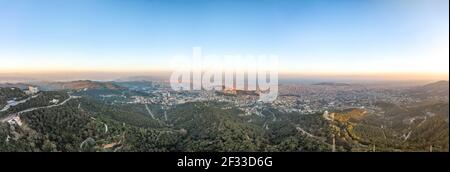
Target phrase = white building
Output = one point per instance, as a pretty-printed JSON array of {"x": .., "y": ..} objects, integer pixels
[
  {"x": 54, "y": 101},
  {"x": 31, "y": 90},
  {"x": 15, "y": 120}
]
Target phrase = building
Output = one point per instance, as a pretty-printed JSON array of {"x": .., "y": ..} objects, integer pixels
[
  {"x": 15, "y": 120},
  {"x": 31, "y": 90},
  {"x": 54, "y": 101}
]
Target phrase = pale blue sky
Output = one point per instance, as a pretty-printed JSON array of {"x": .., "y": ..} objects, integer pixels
[{"x": 346, "y": 36}]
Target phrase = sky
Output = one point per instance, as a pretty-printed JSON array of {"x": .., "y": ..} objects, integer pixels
[{"x": 310, "y": 37}]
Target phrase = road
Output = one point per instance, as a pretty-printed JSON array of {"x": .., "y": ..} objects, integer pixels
[
  {"x": 149, "y": 111},
  {"x": 299, "y": 129},
  {"x": 10, "y": 116},
  {"x": 18, "y": 102},
  {"x": 106, "y": 126}
]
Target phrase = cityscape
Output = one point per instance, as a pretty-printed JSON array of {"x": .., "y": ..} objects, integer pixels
[
  {"x": 343, "y": 76},
  {"x": 333, "y": 116}
]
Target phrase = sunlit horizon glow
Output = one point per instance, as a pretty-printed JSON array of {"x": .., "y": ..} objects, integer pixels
[
  {"x": 396, "y": 39},
  {"x": 164, "y": 74}
]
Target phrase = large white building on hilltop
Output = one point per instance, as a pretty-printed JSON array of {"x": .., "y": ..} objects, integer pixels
[{"x": 31, "y": 90}]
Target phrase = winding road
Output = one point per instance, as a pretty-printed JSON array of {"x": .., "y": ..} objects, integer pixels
[
  {"x": 149, "y": 111},
  {"x": 9, "y": 117},
  {"x": 18, "y": 102}
]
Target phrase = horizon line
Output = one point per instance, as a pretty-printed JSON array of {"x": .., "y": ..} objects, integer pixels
[{"x": 418, "y": 76}]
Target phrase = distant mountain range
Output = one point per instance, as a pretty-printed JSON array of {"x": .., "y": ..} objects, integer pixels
[
  {"x": 332, "y": 84},
  {"x": 15, "y": 85},
  {"x": 77, "y": 85},
  {"x": 440, "y": 88},
  {"x": 144, "y": 78}
]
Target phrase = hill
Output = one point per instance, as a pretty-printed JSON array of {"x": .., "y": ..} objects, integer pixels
[
  {"x": 440, "y": 89},
  {"x": 78, "y": 85},
  {"x": 331, "y": 84}
]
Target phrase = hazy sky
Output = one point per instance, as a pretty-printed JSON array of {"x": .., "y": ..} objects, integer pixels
[{"x": 310, "y": 37}]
